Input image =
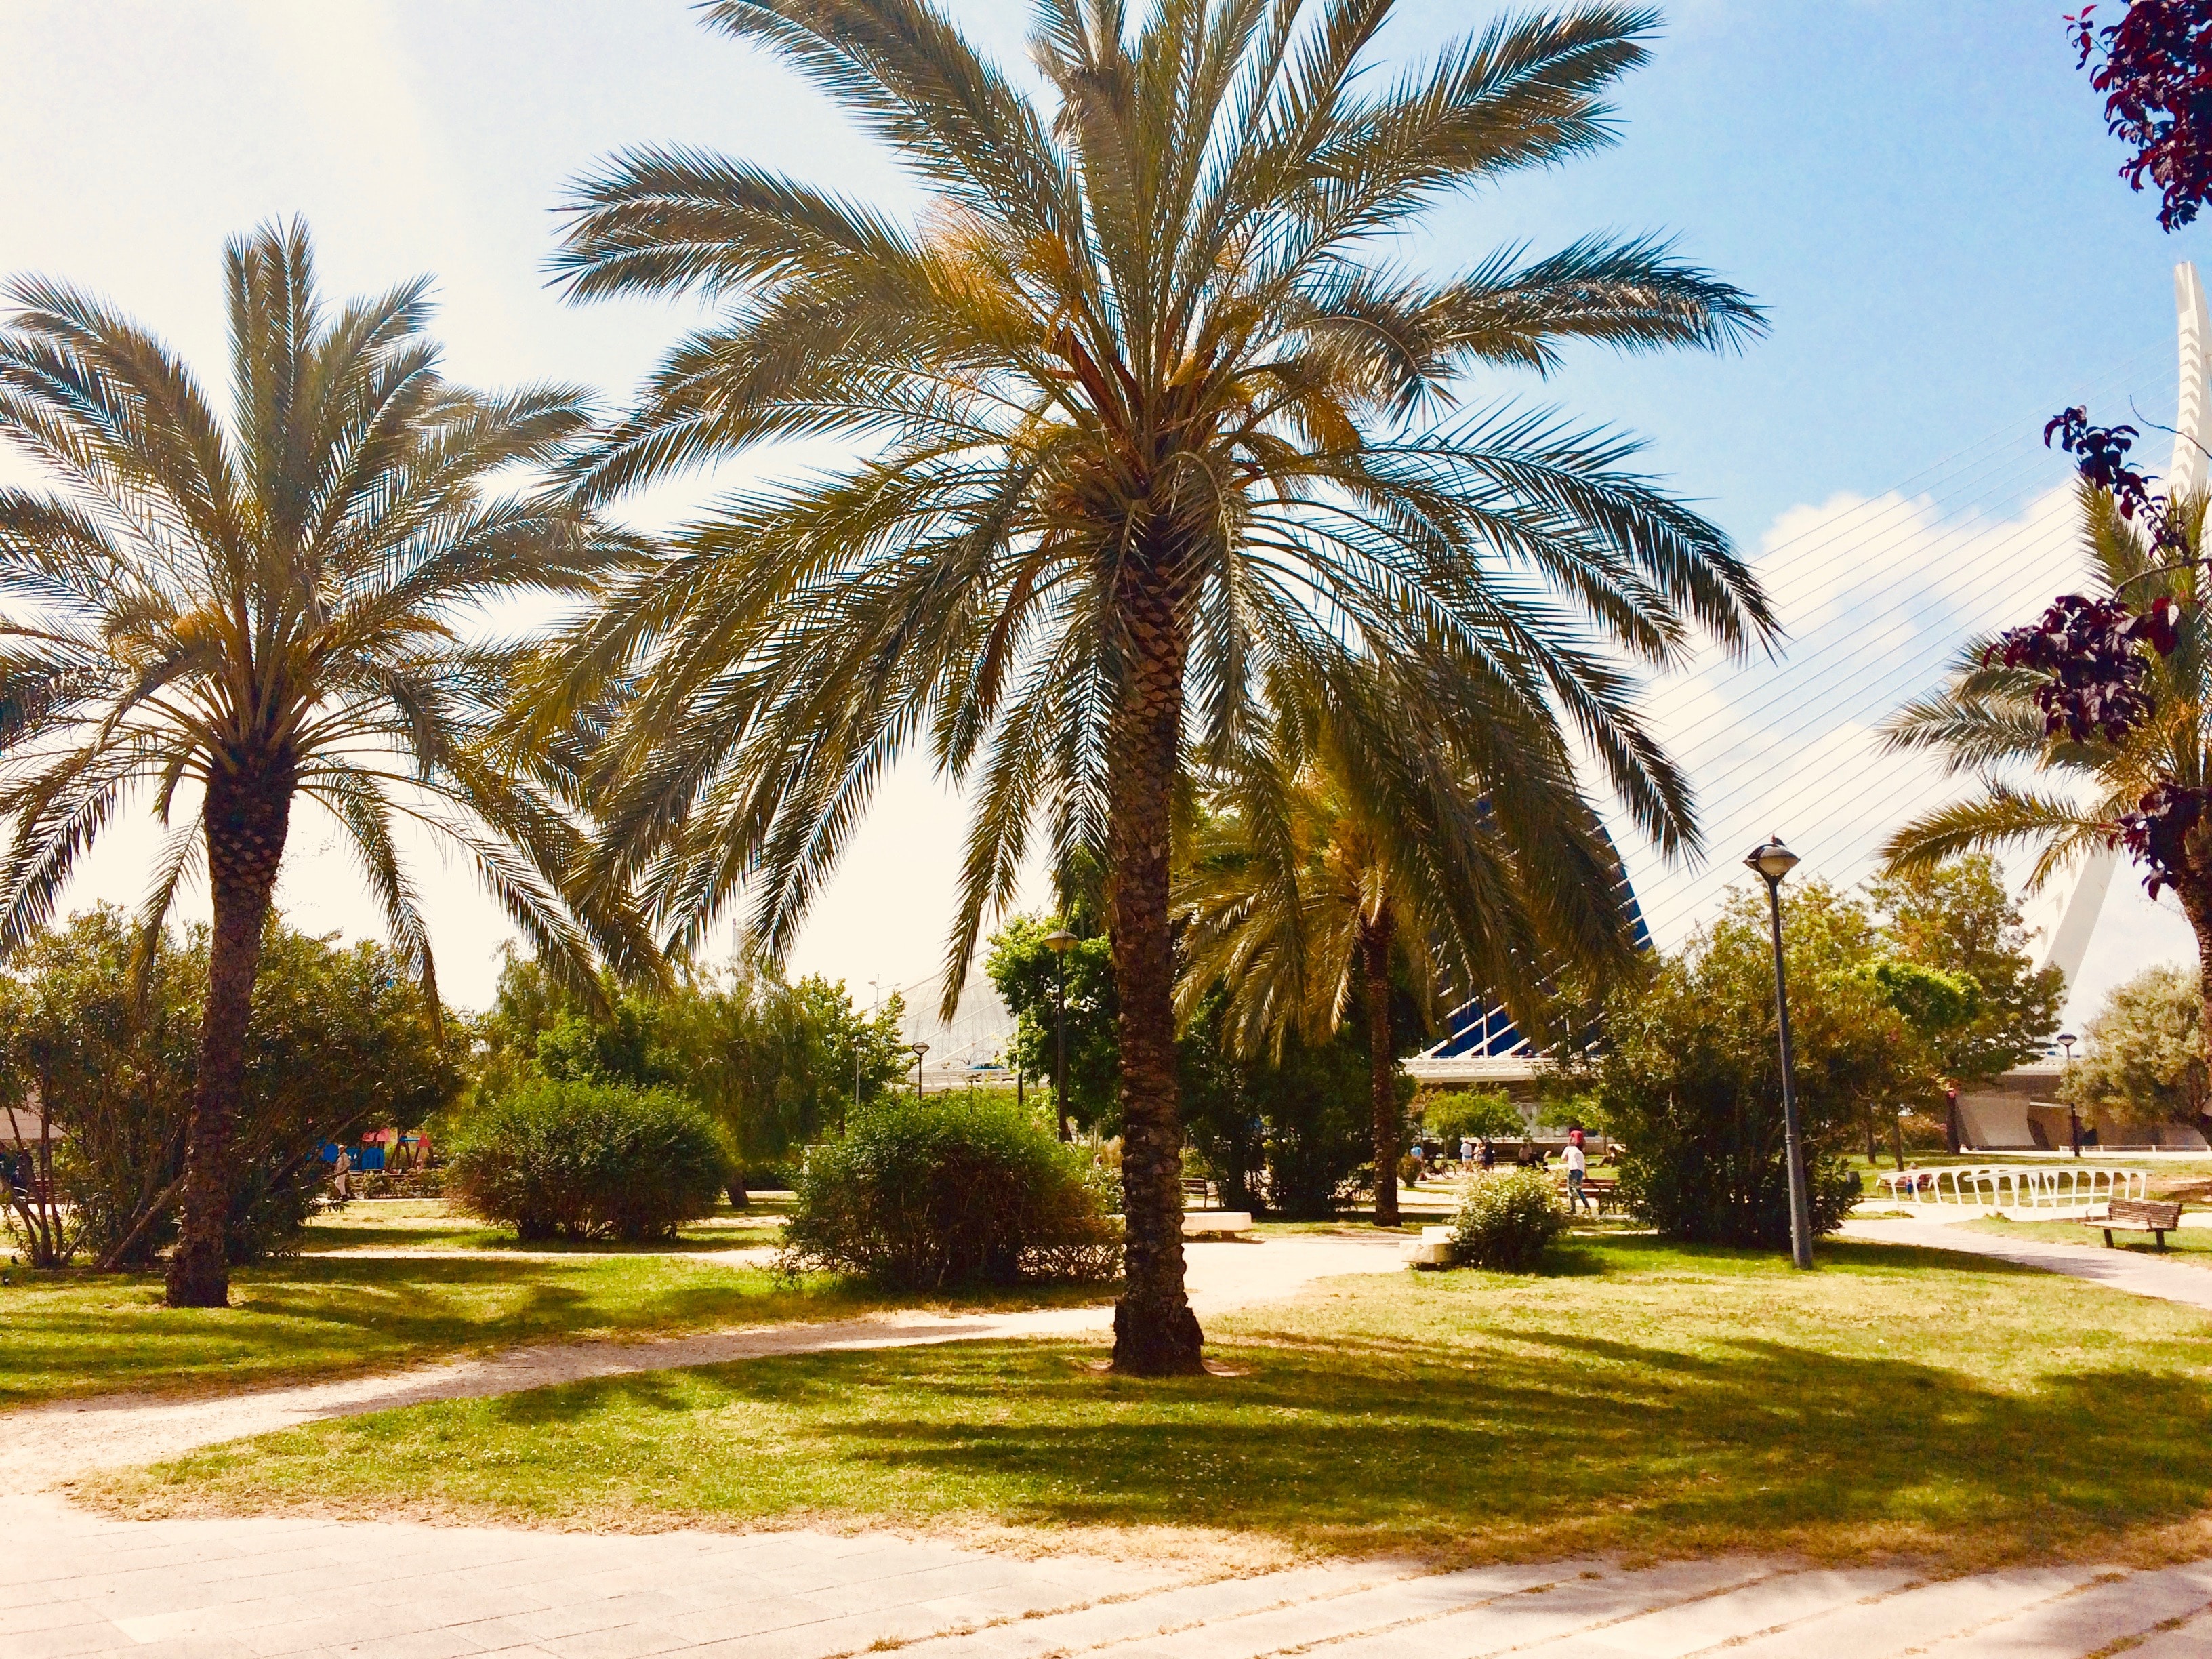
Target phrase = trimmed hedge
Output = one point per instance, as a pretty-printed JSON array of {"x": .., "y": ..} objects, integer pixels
[
  {"x": 590, "y": 1160},
  {"x": 926, "y": 1194},
  {"x": 1508, "y": 1220}
]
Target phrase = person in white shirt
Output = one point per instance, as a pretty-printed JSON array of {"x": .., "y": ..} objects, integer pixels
[{"x": 1578, "y": 1166}]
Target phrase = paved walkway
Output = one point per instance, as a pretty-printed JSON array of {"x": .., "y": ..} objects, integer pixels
[
  {"x": 2133, "y": 1271},
  {"x": 76, "y": 1583}
]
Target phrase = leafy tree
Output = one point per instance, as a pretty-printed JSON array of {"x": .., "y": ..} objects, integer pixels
[
  {"x": 1028, "y": 975},
  {"x": 778, "y": 1063},
  {"x": 262, "y": 611},
  {"x": 2144, "y": 1062},
  {"x": 342, "y": 1041},
  {"x": 1958, "y": 918},
  {"x": 1149, "y": 422},
  {"x": 1691, "y": 1079},
  {"x": 775, "y": 1063},
  {"x": 1471, "y": 1114},
  {"x": 2063, "y": 795},
  {"x": 1934, "y": 1007}
]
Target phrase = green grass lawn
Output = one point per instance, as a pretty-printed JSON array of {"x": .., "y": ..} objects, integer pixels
[
  {"x": 403, "y": 1223},
  {"x": 1638, "y": 1397},
  {"x": 73, "y": 1333}
]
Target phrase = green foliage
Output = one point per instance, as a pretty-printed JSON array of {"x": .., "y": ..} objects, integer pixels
[
  {"x": 1958, "y": 918},
  {"x": 590, "y": 1160},
  {"x": 2144, "y": 1062},
  {"x": 1508, "y": 1220},
  {"x": 1692, "y": 1077},
  {"x": 1471, "y": 1114},
  {"x": 926, "y": 1194},
  {"x": 341, "y": 1041},
  {"x": 1025, "y": 970},
  {"x": 773, "y": 1062},
  {"x": 1291, "y": 1134},
  {"x": 1932, "y": 1003}
]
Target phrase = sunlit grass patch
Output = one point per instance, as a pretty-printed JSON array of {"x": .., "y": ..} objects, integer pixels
[{"x": 1639, "y": 1397}]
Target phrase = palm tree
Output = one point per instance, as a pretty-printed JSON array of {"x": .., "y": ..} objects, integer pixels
[
  {"x": 1145, "y": 414},
  {"x": 264, "y": 610},
  {"x": 1984, "y": 721},
  {"x": 1332, "y": 854}
]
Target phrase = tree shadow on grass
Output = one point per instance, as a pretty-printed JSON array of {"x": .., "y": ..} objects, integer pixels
[{"x": 1540, "y": 1444}]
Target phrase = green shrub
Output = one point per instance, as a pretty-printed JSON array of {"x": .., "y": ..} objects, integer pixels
[
  {"x": 589, "y": 1160},
  {"x": 1508, "y": 1220},
  {"x": 924, "y": 1194}
]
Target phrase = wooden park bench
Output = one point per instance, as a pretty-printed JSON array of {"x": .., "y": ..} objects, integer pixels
[
  {"x": 1604, "y": 1191},
  {"x": 2138, "y": 1215},
  {"x": 1197, "y": 1186}
]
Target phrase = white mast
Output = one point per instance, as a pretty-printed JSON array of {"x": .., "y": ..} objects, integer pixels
[{"x": 2069, "y": 909}]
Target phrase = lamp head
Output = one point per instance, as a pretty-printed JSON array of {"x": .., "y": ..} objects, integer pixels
[
  {"x": 2067, "y": 1040},
  {"x": 1059, "y": 941},
  {"x": 919, "y": 1048},
  {"x": 1771, "y": 859}
]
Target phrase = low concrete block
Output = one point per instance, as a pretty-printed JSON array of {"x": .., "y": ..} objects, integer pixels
[{"x": 1216, "y": 1223}]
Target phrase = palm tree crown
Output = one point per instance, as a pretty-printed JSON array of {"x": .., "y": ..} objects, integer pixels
[
  {"x": 1148, "y": 422},
  {"x": 265, "y": 609},
  {"x": 1333, "y": 853},
  {"x": 1985, "y": 722}
]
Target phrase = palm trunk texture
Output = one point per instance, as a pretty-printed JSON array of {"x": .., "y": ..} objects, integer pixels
[
  {"x": 247, "y": 817},
  {"x": 1374, "y": 934},
  {"x": 2196, "y": 896},
  {"x": 1155, "y": 1332}
]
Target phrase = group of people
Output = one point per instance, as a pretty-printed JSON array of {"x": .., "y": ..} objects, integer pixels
[{"x": 1481, "y": 1153}]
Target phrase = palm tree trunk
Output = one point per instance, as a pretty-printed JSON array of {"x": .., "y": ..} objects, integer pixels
[
  {"x": 247, "y": 817},
  {"x": 2195, "y": 897},
  {"x": 1374, "y": 934},
  {"x": 1154, "y": 1333}
]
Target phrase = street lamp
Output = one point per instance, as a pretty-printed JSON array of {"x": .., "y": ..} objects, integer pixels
[
  {"x": 1773, "y": 861},
  {"x": 2066, "y": 1041},
  {"x": 1059, "y": 942},
  {"x": 919, "y": 1049}
]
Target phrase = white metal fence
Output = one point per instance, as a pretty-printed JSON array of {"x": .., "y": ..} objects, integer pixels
[{"x": 2062, "y": 1191}]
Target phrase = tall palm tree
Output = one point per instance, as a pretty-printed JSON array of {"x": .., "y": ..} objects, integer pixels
[
  {"x": 1144, "y": 412},
  {"x": 1985, "y": 722},
  {"x": 1332, "y": 854},
  {"x": 264, "y": 610}
]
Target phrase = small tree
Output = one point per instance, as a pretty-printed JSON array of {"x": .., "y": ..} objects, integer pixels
[
  {"x": 1692, "y": 1077},
  {"x": 2145, "y": 1059},
  {"x": 1471, "y": 1114},
  {"x": 1958, "y": 917},
  {"x": 1027, "y": 972}
]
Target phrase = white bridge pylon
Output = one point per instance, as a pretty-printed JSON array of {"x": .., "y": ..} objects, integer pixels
[{"x": 2065, "y": 913}]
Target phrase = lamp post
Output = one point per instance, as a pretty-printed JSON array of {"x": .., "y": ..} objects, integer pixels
[
  {"x": 2066, "y": 1041},
  {"x": 1059, "y": 942},
  {"x": 919, "y": 1049},
  {"x": 1773, "y": 861}
]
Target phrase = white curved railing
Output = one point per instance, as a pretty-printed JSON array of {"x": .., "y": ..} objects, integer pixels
[{"x": 2016, "y": 1186}]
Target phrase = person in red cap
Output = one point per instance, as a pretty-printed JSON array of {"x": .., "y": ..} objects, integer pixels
[{"x": 1578, "y": 1166}]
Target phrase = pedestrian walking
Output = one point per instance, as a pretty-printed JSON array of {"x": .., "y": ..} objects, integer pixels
[
  {"x": 340, "y": 1170},
  {"x": 1486, "y": 1154},
  {"x": 1578, "y": 1166}
]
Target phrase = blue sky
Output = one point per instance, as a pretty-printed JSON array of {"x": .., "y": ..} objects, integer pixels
[{"x": 1922, "y": 195}]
